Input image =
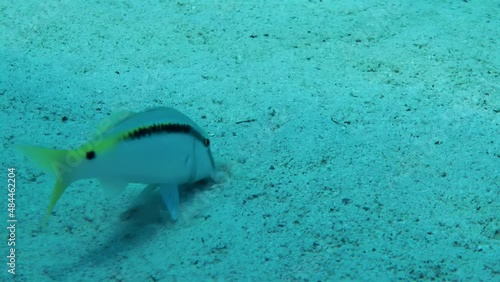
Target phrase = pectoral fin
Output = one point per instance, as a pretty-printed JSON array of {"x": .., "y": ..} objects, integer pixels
[{"x": 170, "y": 195}]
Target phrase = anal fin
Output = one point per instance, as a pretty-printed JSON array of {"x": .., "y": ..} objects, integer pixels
[{"x": 113, "y": 187}]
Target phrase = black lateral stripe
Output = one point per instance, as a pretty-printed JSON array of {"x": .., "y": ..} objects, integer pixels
[{"x": 163, "y": 128}]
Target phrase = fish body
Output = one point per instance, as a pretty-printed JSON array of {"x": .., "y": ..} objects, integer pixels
[{"x": 160, "y": 146}]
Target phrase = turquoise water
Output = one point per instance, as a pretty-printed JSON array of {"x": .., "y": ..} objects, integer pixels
[{"x": 355, "y": 140}]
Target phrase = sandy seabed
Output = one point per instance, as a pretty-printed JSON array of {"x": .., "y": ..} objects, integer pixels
[{"x": 359, "y": 141}]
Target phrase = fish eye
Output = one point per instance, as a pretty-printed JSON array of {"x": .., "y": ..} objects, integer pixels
[
  {"x": 90, "y": 155},
  {"x": 206, "y": 142}
]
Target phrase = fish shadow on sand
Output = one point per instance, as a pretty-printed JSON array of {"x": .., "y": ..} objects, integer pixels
[{"x": 140, "y": 223}]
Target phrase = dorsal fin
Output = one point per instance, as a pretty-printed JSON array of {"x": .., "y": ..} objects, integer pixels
[{"x": 112, "y": 120}]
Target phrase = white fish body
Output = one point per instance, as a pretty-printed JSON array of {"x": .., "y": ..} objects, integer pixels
[{"x": 159, "y": 146}]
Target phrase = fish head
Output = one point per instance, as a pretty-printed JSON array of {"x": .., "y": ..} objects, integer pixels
[{"x": 204, "y": 167}]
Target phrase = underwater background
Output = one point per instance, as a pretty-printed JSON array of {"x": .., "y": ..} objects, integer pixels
[{"x": 359, "y": 140}]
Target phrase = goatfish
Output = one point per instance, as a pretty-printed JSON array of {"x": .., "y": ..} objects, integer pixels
[{"x": 160, "y": 147}]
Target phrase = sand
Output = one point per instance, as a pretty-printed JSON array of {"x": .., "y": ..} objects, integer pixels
[{"x": 359, "y": 139}]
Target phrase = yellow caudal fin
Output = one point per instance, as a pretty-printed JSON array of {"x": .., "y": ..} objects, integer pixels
[
  {"x": 59, "y": 163},
  {"x": 56, "y": 194}
]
